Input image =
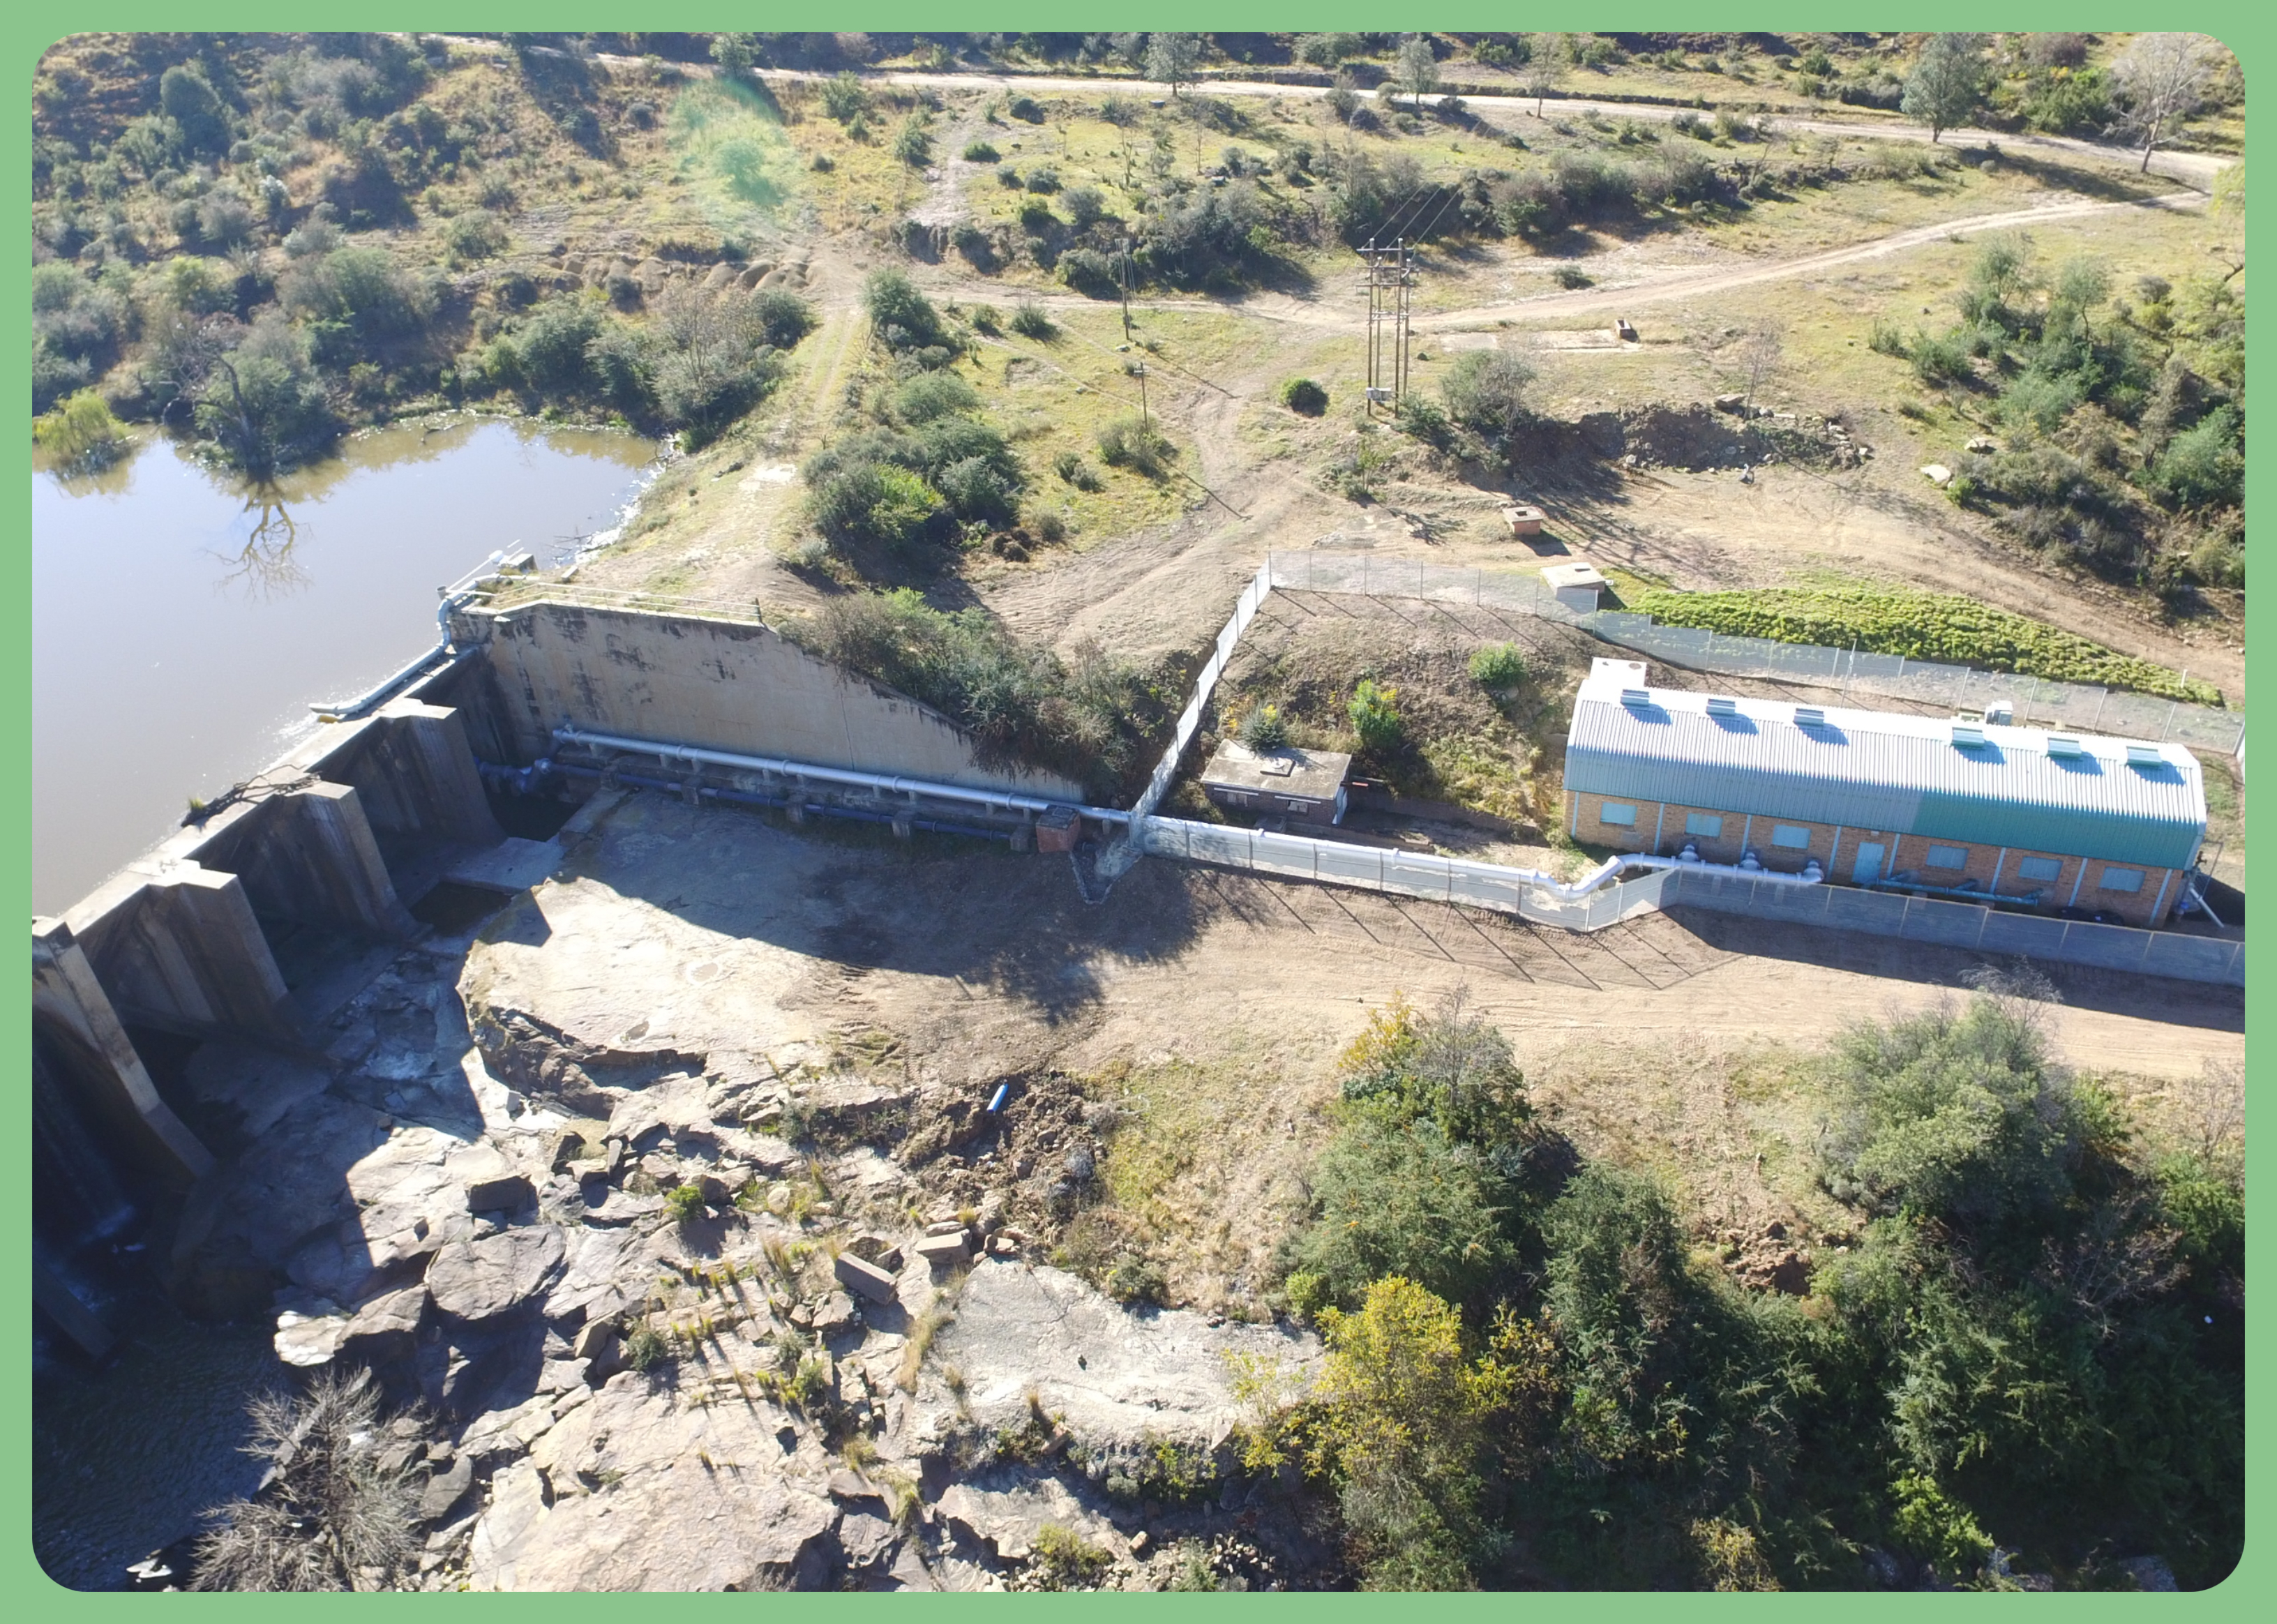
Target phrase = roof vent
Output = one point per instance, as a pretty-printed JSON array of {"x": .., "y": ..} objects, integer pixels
[
  {"x": 1723, "y": 707},
  {"x": 1809, "y": 716},
  {"x": 1636, "y": 698},
  {"x": 2064, "y": 745},
  {"x": 1967, "y": 733},
  {"x": 2144, "y": 755}
]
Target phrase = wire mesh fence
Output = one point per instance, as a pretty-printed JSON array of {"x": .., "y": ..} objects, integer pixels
[
  {"x": 1516, "y": 891},
  {"x": 2089, "y": 708}
]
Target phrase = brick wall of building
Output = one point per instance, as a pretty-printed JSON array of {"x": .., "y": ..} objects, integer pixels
[{"x": 1661, "y": 828}]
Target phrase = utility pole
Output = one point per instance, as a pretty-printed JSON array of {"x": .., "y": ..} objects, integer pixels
[
  {"x": 1126, "y": 290},
  {"x": 1388, "y": 306}
]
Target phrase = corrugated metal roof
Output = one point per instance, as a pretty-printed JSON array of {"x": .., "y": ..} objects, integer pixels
[{"x": 1877, "y": 770}]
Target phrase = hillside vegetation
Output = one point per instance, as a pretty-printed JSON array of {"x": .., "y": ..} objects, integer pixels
[{"x": 2023, "y": 1358}]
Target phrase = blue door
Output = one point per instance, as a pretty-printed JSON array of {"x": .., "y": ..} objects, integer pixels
[{"x": 1866, "y": 863}]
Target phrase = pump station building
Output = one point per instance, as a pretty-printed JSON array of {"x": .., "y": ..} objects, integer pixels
[{"x": 1962, "y": 808}]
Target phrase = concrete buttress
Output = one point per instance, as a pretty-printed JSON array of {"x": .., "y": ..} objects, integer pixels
[{"x": 70, "y": 1008}]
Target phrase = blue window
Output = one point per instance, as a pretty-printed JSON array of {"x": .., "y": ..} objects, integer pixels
[
  {"x": 1616, "y": 811},
  {"x": 1790, "y": 835},
  {"x": 2042, "y": 869},
  {"x": 2122, "y": 879},
  {"x": 1703, "y": 823},
  {"x": 1947, "y": 856}
]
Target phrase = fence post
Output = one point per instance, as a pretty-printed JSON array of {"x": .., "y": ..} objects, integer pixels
[
  {"x": 1478, "y": 587},
  {"x": 2098, "y": 711}
]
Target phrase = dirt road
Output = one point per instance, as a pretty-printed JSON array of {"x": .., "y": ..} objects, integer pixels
[{"x": 2193, "y": 168}]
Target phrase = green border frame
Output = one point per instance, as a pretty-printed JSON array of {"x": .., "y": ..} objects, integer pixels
[{"x": 2240, "y": 24}]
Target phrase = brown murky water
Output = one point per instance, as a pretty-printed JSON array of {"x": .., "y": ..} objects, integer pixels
[{"x": 182, "y": 623}]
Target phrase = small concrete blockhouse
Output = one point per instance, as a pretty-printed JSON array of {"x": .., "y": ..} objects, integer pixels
[
  {"x": 1306, "y": 786},
  {"x": 1950, "y": 808}
]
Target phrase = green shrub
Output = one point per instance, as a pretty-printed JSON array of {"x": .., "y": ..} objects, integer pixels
[
  {"x": 1131, "y": 442},
  {"x": 1499, "y": 664},
  {"x": 1030, "y": 321},
  {"x": 980, "y": 152},
  {"x": 1043, "y": 180},
  {"x": 1304, "y": 397},
  {"x": 1403, "y": 1198},
  {"x": 1062, "y": 1560},
  {"x": 1570, "y": 276},
  {"x": 683, "y": 1204},
  {"x": 912, "y": 143},
  {"x": 80, "y": 434},
  {"x": 845, "y": 98},
  {"x": 903, "y": 318},
  {"x": 1375, "y": 717},
  {"x": 933, "y": 395},
  {"x": 473, "y": 236},
  {"x": 1090, "y": 718},
  {"x": 1264, "y": 728},
  {"x": 643, "y": 1347},
  {"x": 873, "y": 502},
  {"x": 1486, "y": 392},
  {"x": 1945, "y": 628}
]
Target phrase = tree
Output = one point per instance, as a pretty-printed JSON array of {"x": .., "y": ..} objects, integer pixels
[
  {"x": 1486, "y": 392},
  {"x": 2162, "y": 79},
  {"x": 190, "y": 102},
  {"x": 1759, "y": 355},
  {"x": 1172, "y": 58},
  {"x": 737, "y": 53},
  {"x": 1947, "y": 83},
  {"x": 1546, "y": 60},
  {"x": 1418, "y": 67}
]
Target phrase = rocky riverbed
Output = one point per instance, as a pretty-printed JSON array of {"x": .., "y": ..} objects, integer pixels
[{"x": 706, "y": 1300}]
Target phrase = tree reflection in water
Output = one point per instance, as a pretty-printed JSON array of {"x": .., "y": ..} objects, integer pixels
[{"x": 264, "y": 565}]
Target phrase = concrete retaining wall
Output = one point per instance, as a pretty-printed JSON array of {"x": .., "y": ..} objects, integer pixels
[{"x": 718, "y": 683}]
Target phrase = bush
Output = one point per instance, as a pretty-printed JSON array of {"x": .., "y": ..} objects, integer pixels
[
  {"x": 845, "y": 98},
  {"x": 1374, "y": 716},
  {"x": 1263, "y": 727},
  {"x": 980, "y": 152},
  {"x": 913, "y": 144},
  {"x": 873, "y": 502},
  {"x": 1485, "y": 391},
  {"x": 473, "y": 236},
  {"x": 1008, "y": 177},
  {"x": 1085, "y": 206},
  {"x": 1946, "y": 628},
  {"x": 683, "y": 1204},
  {"x": 1094, "y": 274},
  {"x": 1090, "y": 719},
  {"x": 2203, "y": 466},
  {"x": 933, "y": 395},
  {"x": 80, "y": 434},
  {"x": 1061, "y": 1559},
  {"x": 1499, "y": 666},
  {"x": 1131, "y": 442},
  {"x": 1304, "y": 397},
  {"x": 1026, "y": 108},
  {"x": 903, "y": 318},
  {"x": 338, "y": 1510},
  {"x": 783, "y": 319},
  {"x": 1029, "y": 322},
  {"x": 1043, "y": 180},
  {"x": 1394, "y": 1199},
  {"x": 1961, "y": 1118},
  {"x": 1069, "y": 466},
  {"x": 1570, "y": 276}
]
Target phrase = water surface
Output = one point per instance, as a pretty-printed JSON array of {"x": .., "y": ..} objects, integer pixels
[{"x": 182, "y": 623}]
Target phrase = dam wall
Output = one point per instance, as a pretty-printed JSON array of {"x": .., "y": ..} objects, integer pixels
[{"x": 715, "y": 683}]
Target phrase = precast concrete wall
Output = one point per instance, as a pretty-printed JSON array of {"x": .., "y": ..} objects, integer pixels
[{"x": 718, "y": 683}]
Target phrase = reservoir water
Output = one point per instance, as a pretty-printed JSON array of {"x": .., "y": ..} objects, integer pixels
[{"x": 182, "y": 623}]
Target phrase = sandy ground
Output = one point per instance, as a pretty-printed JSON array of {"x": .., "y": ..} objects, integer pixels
[{"x": 721, "y": 927}]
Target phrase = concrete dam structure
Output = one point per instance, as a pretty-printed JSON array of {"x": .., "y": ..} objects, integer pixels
[{"x": 274, "y": 904}]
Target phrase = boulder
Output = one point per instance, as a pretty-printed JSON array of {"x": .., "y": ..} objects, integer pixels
[
  {"x": 492, "y": 1183},
  {"x": 306, "y": 1340},
  {"x": 863, "y": 1278},
  {"x": 446, "y": 1489},
  {"x": 386, "y": 1328},
  {"x": 497, "y": 1275},
  {"x": 945, "y": 1251}
]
